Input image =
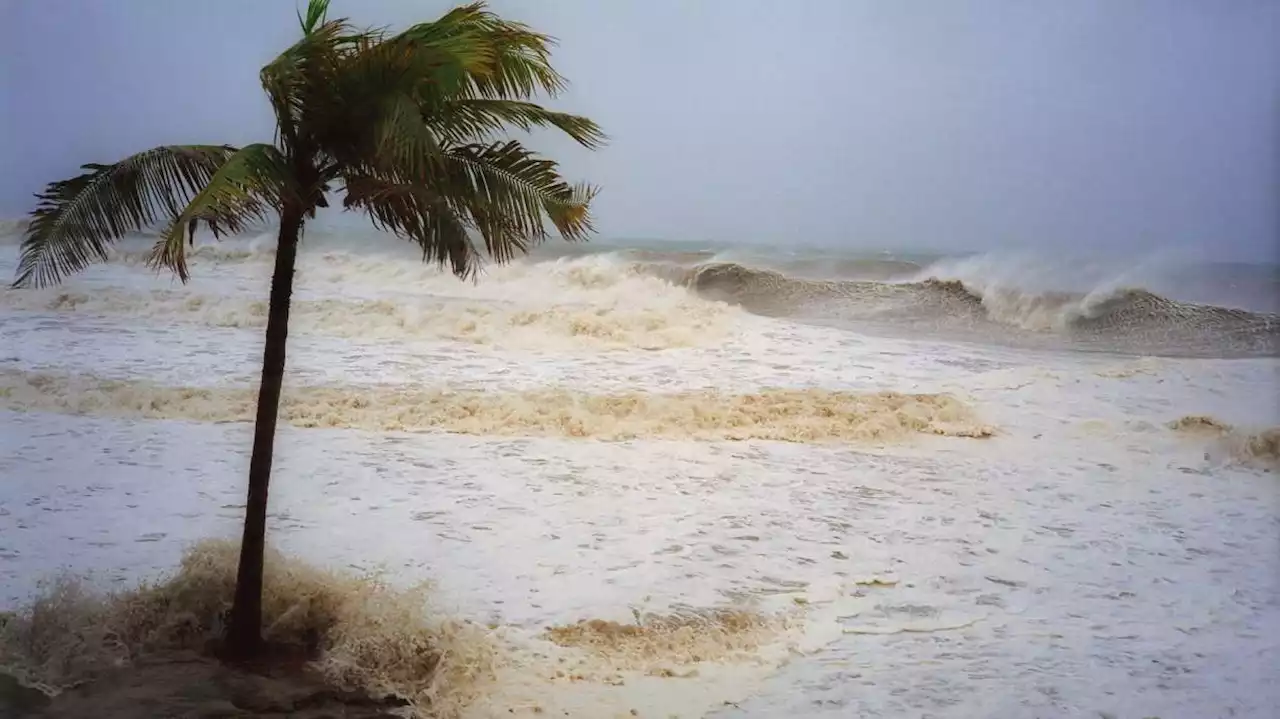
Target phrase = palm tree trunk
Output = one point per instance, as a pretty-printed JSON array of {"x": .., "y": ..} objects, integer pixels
[{"x": 244, "y": 636}]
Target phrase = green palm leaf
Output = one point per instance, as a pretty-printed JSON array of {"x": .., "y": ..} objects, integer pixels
[
  {"x": 510, "y": 193},
  {"x": 413, "y": 211},
  {"x": 503, "y": 191},
  {"x": 316, "y": 10},
  {"x": 521, "y": 65},
  {"x": 299, "y": 82},
  {"x": 514, "y": 61},
  {"x": 509, "y": 178},
  {"x": 77, "y": 219},
  {"x": 469, "y": 119},
  {"x": 402, "y": 143},
  {"x": 249, "y": 187}
]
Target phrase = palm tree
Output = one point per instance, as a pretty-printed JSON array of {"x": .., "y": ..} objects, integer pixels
[{"x": 410, "y": 127}]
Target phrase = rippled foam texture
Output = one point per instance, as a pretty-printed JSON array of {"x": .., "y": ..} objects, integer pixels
[
  {"x": 1258, "y": 448},
  {"x": 370, "y": 636},
  {"x": 655, "y": 640},
  {"x": 608, "y": 326},
  {"x": 793, "y": 415}
]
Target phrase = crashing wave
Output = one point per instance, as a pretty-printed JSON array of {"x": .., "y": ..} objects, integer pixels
[
  {"x": 1121, "y": 317},
  {"x": 1260, "y": 448}
]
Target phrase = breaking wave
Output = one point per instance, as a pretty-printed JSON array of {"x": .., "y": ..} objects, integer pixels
[
  {"x": 658, "y": 298},
  {"x": 679, "y": 323},
  {"x": 792, "y": 415},
  {"x": 1113, "y": 318},
  {"x": 1259, "y": 448}
]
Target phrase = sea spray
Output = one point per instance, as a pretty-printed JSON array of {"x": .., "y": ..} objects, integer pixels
[{"x": 365, "y": 634}]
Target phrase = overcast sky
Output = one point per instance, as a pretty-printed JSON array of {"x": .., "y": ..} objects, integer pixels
[{"x": 1132, "y": 124}]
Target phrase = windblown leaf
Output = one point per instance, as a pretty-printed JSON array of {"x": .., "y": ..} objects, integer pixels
[
  {"x": 471, "y": 119},
  {"x": 299, "y": 82},
  {"x": 77, "y": 219},
  {"x": 413, "y": 211},
  {"x": 510, "y": 181},
  {"x": 249, "y": 187},
  {"x": 521, "y": 64},
  {"x": 316, "y": 10},
  {"x": 502, "y": 191},
  {"x": 403, "y": 143},
  {"x": 571, "y": 213},
  {"x": 516, "y": 60}
]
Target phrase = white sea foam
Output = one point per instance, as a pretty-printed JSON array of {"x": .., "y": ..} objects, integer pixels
[
  {"x": 498, "y": 324},
  {"x": 592, "y": 303},
  {"x": 1085, "y": 560}
]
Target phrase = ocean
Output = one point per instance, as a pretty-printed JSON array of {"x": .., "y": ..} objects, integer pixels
[{"x": 826, "y": 483}]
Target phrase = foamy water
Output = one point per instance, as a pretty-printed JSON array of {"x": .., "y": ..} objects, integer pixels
[{"x": 661, "y": 503}]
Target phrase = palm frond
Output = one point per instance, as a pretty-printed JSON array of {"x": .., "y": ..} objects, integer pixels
[
  {"x": 316, "y": 10},
  {"x": 337, "y": 90},
  {"x": 299, "y": 82},
  {"x": 509, "y": 60},
  {"x": 403, "y": 144},
  {"x": 249, "y": 187},
  {"x": 503, "y": 191},
  {"x": 571, "y": 213},
  {"x": 375, "y": 86},
  {"x": 455, "y": 74},
  {"x": 470, "y": 119},
  {"x": 78, "y": 218},
  {"x": 522, "y": 58},
  {"x": 415, "y": 212},
  {"x": 444, "y": 53},
  {"x": 510, "y": 179}
]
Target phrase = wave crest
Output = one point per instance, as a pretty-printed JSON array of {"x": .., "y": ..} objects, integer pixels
[
  {"x": 655, "y": 640},
  {"x": 646, "y": 298},
  {"x": 491, "y": 323},
  {"x": 1119, "y": 317},
  {"x": 792, "y": 415},
  {"x": 1259, "y": 448}
]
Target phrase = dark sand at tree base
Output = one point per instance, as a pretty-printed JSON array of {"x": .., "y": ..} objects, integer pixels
[{"x": 193, "y": 686}]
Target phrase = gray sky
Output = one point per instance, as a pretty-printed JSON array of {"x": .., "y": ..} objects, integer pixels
[{"x": 1132, "y": 124}]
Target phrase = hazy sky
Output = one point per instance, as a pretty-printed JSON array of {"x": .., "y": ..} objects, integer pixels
[{"x": 1133, "y": 124}]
